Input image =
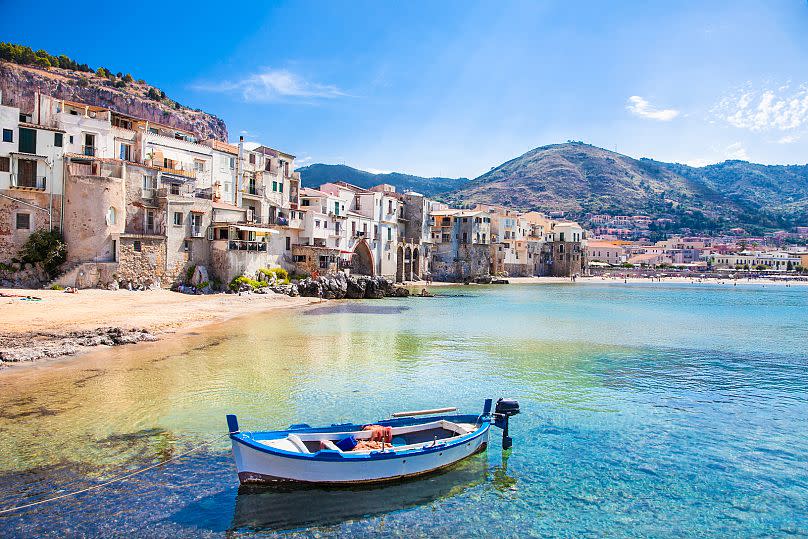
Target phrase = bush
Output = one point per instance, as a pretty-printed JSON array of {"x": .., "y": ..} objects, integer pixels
[
  {"x": 189, "y": 273},
  {"x": 279, "y": 275},
  {"x": 46, "y": 248},
  {"x": 57, "y": 287},
  {"x": 236, "y": 283}
]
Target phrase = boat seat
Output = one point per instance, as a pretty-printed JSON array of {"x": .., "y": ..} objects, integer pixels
[
  {"x": 298, "y": 443},
  {"x": 328, "y": 444}
]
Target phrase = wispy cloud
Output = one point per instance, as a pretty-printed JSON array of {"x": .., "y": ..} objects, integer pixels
[
  {"x": 270, "y": 85},
  {"x": 787, "y": 139},
  {"x": 642, "y": 108},
  {"x": 781, "y": 108},
  {"x": 303, "y": 161},
  {"x": 736, "y": 151}
]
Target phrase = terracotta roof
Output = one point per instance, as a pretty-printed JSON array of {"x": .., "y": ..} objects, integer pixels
[{"x": 221, "y": 146}]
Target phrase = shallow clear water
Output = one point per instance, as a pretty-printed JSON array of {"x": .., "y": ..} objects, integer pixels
[{"x": 648, "y": 410}]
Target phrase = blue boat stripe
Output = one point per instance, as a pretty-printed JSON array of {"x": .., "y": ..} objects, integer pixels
[{"x": 333, "y": 456}]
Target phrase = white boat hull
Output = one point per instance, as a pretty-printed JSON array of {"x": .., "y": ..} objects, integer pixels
[{"x": 257, "y": 466}]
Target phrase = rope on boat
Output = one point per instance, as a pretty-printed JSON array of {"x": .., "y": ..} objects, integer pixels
[{"x": 113, "y": 480}]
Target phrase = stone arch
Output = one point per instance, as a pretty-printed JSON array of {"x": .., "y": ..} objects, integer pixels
[
  {"x": 400, "y": 264},
  {"x": 362, "y": 260},
  {"x": 416, "y": 262}
]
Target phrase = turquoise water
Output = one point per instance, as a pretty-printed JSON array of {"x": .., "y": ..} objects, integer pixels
[{"x": 665, "y": 410}]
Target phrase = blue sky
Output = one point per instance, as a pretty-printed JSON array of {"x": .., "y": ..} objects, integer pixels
[{"x": 455, "y": 88}]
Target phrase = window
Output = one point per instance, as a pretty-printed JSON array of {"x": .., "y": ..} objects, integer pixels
[
  {"x": 280, "y": 187},
  {"x": 178, "y": 218},
  {"x": 149, "y": 221},
  {"x": 252, "y": 158},
  {"x": 23, "y": 221},
  {"x": 186, "y": 245},
  {"x": 70, "y": 139},
  {"x": 317, "y": 223},
  {"x": 337, "y": 227},
  {"x": 8, "y": 135},
  {"x": 126, "y": 152},
  {"x": 111, "y": 216},
  {"x": 89, "y": 144},
  {"x": 5, "y": 164},
  {"x": 389, "y": 234},
  {"x": 232, "y": 163},
  {"x": 199, "y": 166},
  {"x": 274, "y": 186},
  {"x": 58, "y": 139},
  {"x": 288, "y": 243},
  {"x": 389, "y": 206},
  {"x": 137, "y": 246}
]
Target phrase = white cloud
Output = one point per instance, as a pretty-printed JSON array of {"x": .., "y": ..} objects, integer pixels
[
  {"x": 736, "y": 151},
  {"x": 787, "y": 139},
  {"x": 642, "y": 108},
  {"x": 272, "y": 85},
  {"x": 782, "y": 108},
  {"x": 302, "y": 161}
]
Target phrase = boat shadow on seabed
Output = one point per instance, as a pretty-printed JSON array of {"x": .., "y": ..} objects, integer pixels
[{"x": 277, "y": 508}]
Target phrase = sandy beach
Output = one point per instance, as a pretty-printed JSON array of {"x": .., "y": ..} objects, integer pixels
[{"x": 61, "y": 324}]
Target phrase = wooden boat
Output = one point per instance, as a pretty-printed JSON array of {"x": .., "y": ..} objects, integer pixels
[{"x": 413, "y": 443}]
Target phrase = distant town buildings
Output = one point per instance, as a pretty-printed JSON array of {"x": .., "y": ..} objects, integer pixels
[{"x": 140, "y": 201}]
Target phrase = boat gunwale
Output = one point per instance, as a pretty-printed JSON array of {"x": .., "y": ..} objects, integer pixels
[{"x": 328, "y": 455}]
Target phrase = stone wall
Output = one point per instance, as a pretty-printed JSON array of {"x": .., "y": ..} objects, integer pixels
[
  {"x": 466, "y": 262},
  {"x": 11, "y": 239},
  {"x": 146, "y": 266},
  {"x": 562, "y": 259}
]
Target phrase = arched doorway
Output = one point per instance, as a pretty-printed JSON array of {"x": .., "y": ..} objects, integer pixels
[
  {"x": 408, "y": 263},
  {"x": 362, "y": 260},
  {"x": 416, "y": 263},
  {"x": 400, "y": 264}
]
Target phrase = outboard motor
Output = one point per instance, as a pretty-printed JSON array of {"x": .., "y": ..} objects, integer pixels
[{"x": 505, "y": 408}]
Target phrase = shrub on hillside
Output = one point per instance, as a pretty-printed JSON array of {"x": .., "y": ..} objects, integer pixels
[{"x": 46, "y": 248}]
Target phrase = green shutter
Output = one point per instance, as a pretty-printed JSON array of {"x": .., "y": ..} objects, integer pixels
[{"x": 27, "y": 140}]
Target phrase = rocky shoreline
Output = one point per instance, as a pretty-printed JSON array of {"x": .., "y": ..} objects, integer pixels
[{"x": 38, "y": 345}]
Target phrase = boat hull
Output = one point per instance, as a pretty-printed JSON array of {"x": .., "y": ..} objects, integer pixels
[{"x": 256, "y": 464}]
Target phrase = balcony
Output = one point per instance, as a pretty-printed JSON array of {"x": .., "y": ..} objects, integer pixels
[
  {"x": 196, "y": 231},
  {"x": 244, "y": 245},
  {"x": 30, "y": 183},
  {"x": 89, "y": 151},
  {"x": 178, "y": 171}
]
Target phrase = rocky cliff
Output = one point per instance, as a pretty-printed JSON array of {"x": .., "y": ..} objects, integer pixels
[{"x": 19, "y": 82}]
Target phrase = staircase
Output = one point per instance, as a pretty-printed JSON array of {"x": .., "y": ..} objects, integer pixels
[{"x": 65, "y": 270}]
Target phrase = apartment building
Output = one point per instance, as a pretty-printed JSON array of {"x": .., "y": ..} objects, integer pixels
[{"x": 31, "y": 174}]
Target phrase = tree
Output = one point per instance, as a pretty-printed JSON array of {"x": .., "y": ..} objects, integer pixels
[
  {"x": 42, "y": 62},
  {"x": 128, "y": 78}
]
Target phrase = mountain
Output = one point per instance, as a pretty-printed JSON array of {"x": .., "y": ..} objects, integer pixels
[
  {"x": 317, "y": 174},
  {"x": 581, "y": 180},
  {"x": 24, "y": 72}
]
